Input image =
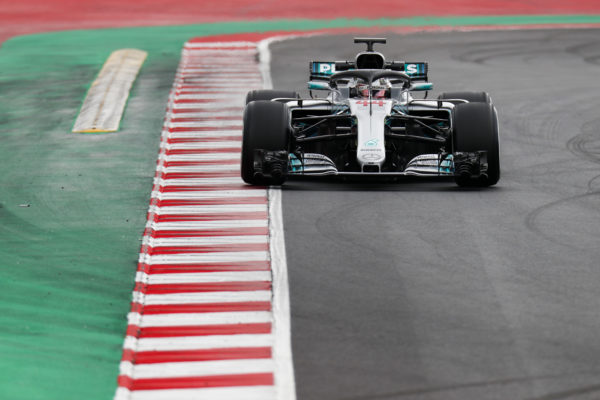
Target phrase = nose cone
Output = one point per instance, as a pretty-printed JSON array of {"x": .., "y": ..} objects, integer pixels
[{"x": 371, "y": 115}]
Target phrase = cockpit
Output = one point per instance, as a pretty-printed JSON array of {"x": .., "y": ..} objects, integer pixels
[{"x": 380, "y": 89}]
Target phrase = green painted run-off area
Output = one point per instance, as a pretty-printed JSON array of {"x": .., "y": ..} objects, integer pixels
[{"x": 73, "y": 206}]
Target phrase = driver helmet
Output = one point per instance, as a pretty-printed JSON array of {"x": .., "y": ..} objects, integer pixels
[
  {"x": 362, "y": 89},
  {"x": 380, "y": 91}
]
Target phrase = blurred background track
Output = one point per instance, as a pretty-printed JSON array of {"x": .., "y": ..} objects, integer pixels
[{"x": 32, "y": 16}]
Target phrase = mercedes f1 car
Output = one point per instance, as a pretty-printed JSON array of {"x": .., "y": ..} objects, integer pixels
[{"x": 369, "y": 124}]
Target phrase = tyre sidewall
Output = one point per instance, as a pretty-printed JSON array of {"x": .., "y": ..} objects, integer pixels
[
  {"x": 266, "y": 127},
  {"x": 476, "y": 129}
]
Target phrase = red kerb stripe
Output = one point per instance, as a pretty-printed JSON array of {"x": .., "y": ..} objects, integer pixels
[
  {"x": 153, "y": 357},
  {"x": 205, "y": 128},
  {"x": 206, "y": 139},
  {"x": 200, "y": 307},
  {"x": 225, "y": 71},
  {"x": 260, "y": 230},
  {"x": 206, "y": 175},
  {"x": 211, "y": 202},
  {"x": 204, "y": 110},
  {"x": 213, "y": 248},
  {"x": 200, "y": 101},
  {"x": 201, "y": 330},
  {"x": 187, "y": 91},
  {"x": 210, "y": 216},
  {"x": 231, "y": 161},
  {"x": 168, "y": 288},
  {"x": 205, "y": 267},
  {"x": 223, "y": 186}
]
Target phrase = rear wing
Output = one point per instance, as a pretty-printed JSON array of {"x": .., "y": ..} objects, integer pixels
[
  {"x": 322, "y": 70},
  {"x": 418, "y": 71}
]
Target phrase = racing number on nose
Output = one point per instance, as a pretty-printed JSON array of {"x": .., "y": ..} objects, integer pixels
[{"x": 366, "y": 103}]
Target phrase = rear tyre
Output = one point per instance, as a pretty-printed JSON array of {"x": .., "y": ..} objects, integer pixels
[
  {"x": 471, "y": 97},
  {"x": 255, "y": 95},
  {"x": 476, "y": 129},
  {"x": 266, "y": 127}
]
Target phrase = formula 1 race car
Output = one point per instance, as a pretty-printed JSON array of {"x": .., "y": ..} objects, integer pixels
[{"x": 369, "y": 125}]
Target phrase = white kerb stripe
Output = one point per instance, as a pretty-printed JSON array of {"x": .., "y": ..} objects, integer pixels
[
  {"x": 212, "y": 194},
  {"x": 205, "y": 145},
  {"x": 210, "y": 240},
  {"x": 198, "y": 342},
  {"x": 198, "y": 181},
  {"x": 202, "y": 298},
  {"x": 226, "y": 393},
  {"x": 198, "y": 368},
  {"x": 197, "y": 319},
  {"x": 204, "y": 277},
  {"x": 227, "y": 208},
  {"x": 215, "y": 257},
  {"x": 202, "y": 157}
]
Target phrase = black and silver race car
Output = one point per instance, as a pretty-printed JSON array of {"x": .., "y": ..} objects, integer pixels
[{"x": 370, "y": 125}]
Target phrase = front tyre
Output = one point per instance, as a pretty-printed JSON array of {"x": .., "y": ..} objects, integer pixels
[
  {"x": 476, "y": 129},
  {"x": 266, "y": 127}
]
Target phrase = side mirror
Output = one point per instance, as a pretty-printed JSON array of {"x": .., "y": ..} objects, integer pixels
[
  {"x": 421, "y": 86},
  {"x": 318, "y": 85}
]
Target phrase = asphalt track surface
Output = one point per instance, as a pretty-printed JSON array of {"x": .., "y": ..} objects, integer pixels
[{"x": 422, "y": 290}]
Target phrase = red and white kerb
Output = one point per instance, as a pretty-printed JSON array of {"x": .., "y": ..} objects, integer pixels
[{"x": 210, "y": 311}]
